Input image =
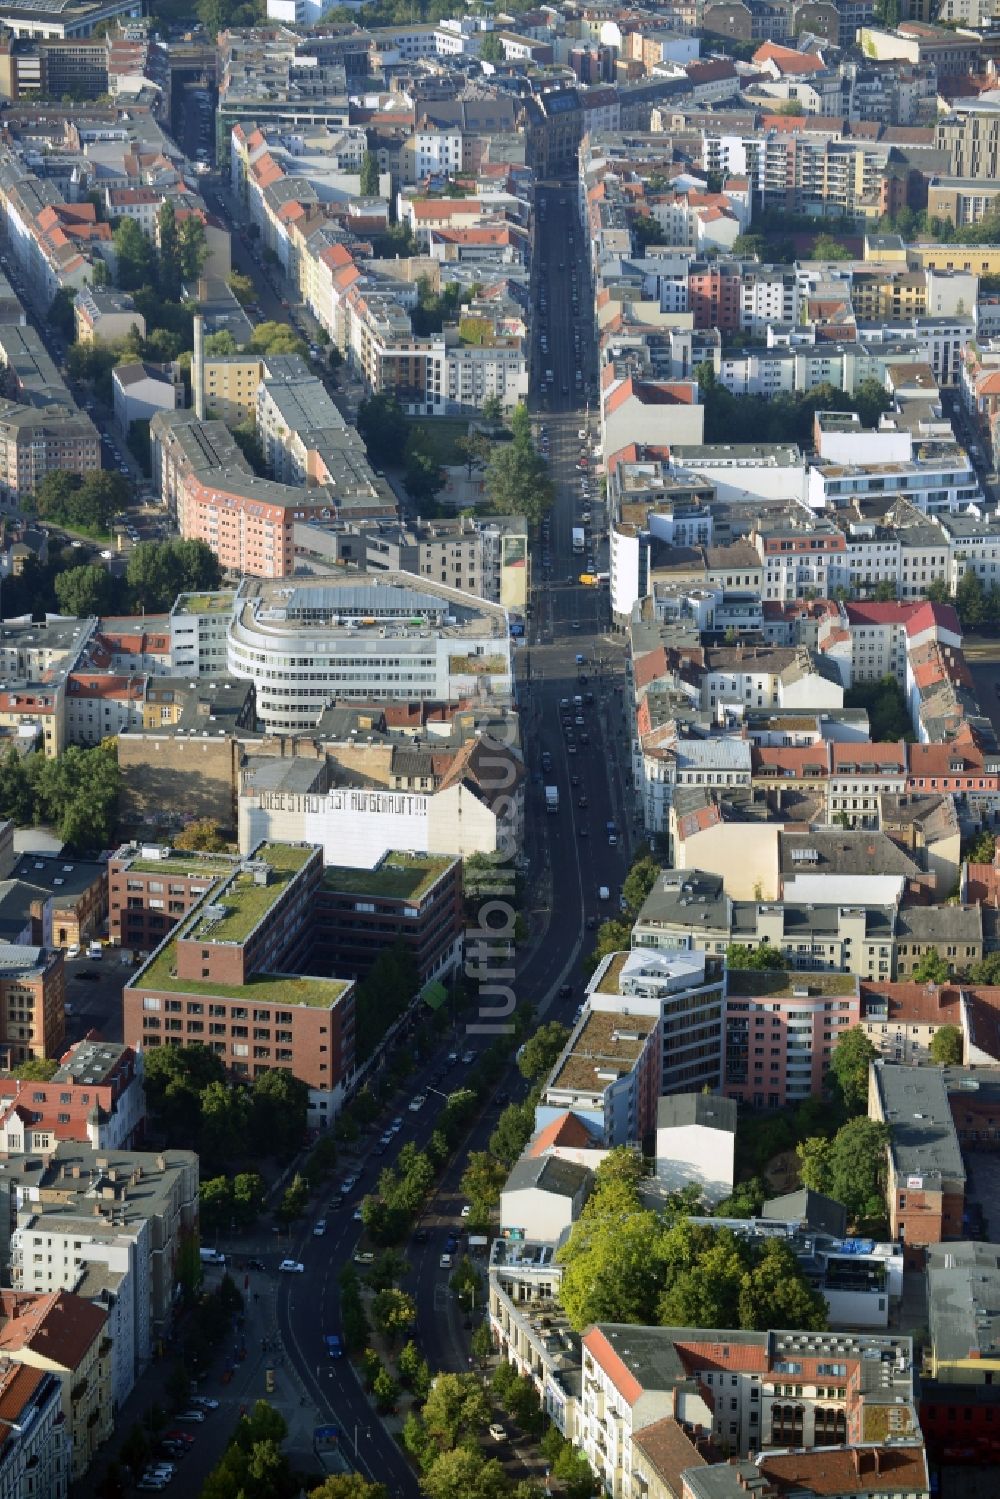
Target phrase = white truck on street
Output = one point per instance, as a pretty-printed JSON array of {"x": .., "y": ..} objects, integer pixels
[
  {"x": 579, "y": 542},
  {"x": 552, "y": 798}
]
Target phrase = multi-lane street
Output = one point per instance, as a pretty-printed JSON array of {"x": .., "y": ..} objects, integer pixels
[{"x": 570, "y": 679}]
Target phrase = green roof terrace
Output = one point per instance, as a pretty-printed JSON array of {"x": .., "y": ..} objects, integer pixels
[
  {"x": 205, "y": 603},
  {"x": 244, "y": 899},
  {"x": 399, "y": 876},
  {"x": 182, "y": 861},
  {"x": 278, "y": 988}
]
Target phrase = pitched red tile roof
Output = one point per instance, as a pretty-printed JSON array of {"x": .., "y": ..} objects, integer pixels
[
  {"x": 846, "y": 1470},
  {"x": 566, "y": 1129},
  {"x": 606, "y": 1359},
  {"x": 56, "y": 1324}
]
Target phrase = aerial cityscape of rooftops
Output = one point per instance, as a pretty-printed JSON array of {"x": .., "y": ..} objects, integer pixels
[{"x": 500, "y": 749}]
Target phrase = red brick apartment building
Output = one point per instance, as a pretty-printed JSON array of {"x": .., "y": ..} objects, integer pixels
[
  {"x": 151, "y": 887},
  {"x": 229, "y": 979},
  {"x": 411, "y": 898},
  {"x": 32, "y": 1004}
]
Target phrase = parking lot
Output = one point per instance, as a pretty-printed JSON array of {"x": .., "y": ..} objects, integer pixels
[{"x": 94, "y": 995}]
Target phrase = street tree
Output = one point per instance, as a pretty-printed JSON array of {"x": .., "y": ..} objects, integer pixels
[
  {"x": 393, "y": 1312},
  {"x": 640, "y": 881},
  {"x": 242, "y": 288},
  {"x": 349, "y": 1486},
  {"x": 483, "y": 1178},
  {"x": 277, "y": 338},
  {"x": 464, "y": 1473},
  {"x": 135, "y": 1449},
  {"x": 279, "y": 1110},
  {"x": 540, "y": 1053},
  {"x": 295, "y": 1199},
  {"x": 455, "y": 1408}
]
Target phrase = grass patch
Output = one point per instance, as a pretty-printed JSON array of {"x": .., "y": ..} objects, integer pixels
[
  {"x": 438, "y": 437},
  {"x": 206, "y": 603},
  {"x": 273, "y": 988},
  {"x": 399, "y": 877},
  {"x": 244, "y": 900},
  {"x": 181, "y": 862}
]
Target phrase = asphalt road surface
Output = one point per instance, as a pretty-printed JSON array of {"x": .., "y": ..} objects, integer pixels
[{"x": 572, "y": 857}]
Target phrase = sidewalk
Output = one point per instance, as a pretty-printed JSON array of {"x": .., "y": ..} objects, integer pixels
[{"x": 246, "y": 1387}]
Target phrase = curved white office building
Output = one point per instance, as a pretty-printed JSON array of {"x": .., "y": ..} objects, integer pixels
[{"x": 364, "y": 637}]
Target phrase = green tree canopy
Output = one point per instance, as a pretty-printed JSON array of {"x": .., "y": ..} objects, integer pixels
[
  {"x": 640, "y": 881},
  {"x": 158, "y": 571},
  {"x": 135, "y": 256},
  {"x": 931, "y": 968},
  {"x": 77, "y": 793},
  {"x": 759, "y": 958},
  {"x": 369, "y": 185},
  {"x": 204, "y": 834},
  {"x": 850, "y": 1168},
  {"x": 277, "y": 338},
  {"x": 36, "y": 1069},
  {"x": 849, "y": 1065},
  {"x": 517, "y": 482},
  {"x": 946, "y": 1046},
  {"x": 83, "y": 591},
  {"x": 541, "y": 1051},
  {"x": 383, "y": 427}
]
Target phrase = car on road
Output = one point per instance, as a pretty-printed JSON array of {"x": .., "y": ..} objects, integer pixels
[
  {"x": 287, "y": 1267},
  {"x": 582, "y": 434},
  {"x": 467, "y": 1210},
  {"x": 319, "y": 1228},
  {"x": 184, "y": 1438},
  {"x": 364, "y": 1257},
  {"x": 565, "y": 990},
  {"x": 445, "y": 1262},
  {"x": 358, "y": 1215},
  {"x": 397, "y": 1124},
  {"x": 497, "y": 1432},
  {"x": 256, "y": 1265},
  {"x": 195, "y": 1417},
  {"x": 420, "y": 1236},
  {"x": 417, "y": 1103},
  {"x": 86, "y": 977},
  {"x": 468, "y": 1057},
  {"x": 334, "y": 1346},
  {"x": 152, "y": 1484}
]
